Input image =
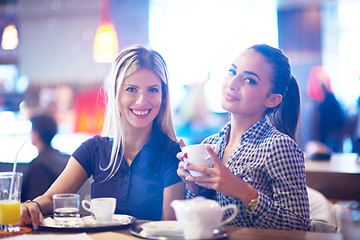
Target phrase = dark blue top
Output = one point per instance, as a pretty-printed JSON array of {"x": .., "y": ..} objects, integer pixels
[{"x": 138, "y": 188}]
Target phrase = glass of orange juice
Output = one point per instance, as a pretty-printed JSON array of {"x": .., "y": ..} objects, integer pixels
[{"x": 10, "y": 197}]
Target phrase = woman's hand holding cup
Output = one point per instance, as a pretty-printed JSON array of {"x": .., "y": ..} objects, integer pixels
[
  {"x": 183, "y": 172},
  {"x": 195, "y": 159},
  {"x": 198, "y": 155}
]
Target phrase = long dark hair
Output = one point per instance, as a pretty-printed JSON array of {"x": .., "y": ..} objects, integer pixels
[{"x": 285, "y": 116}]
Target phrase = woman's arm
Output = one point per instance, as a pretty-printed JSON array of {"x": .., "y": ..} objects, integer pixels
[
  {"x": 69, "y": 181},
  {"x": 172, "y": 193},
  {"x": 288, "y": 205}
]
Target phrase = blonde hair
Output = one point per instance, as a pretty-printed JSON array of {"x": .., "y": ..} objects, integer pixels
[{"x": 129, "y": 61}]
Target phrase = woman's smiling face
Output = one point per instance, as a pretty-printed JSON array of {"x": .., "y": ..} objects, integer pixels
[
  {"x": 247, "y": 88},
  {"x": 140, "y": 99}
]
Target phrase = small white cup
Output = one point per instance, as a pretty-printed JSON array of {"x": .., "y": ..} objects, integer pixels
[
  {"x": 102, "y": 208},
  {"x": 199, "y": 217},
  {"x": 198, "y": 155}
]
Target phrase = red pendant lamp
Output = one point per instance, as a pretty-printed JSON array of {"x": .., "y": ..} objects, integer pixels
[{"x": 106, "y": 46}]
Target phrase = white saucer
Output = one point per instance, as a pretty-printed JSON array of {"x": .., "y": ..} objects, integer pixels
[
  {"x": 90, "y": 222},
  {"x": 118, "y": 219}
]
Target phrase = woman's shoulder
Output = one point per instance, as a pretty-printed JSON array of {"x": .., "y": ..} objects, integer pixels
[
  {"x": 97, "y": 142},
  {"x": 281, "y": 143},
  {"x": 272, "y": 134},
  {"x": 97, "y": 139}
]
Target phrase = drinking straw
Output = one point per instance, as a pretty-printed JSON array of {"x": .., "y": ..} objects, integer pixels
[{"x": 14, "y": 170}]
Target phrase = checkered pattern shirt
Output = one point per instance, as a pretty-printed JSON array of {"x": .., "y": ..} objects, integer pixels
[{"x": 274, "y": 165}]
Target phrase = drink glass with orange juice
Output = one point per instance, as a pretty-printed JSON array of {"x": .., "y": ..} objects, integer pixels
[{"x": 10, "y": 197}]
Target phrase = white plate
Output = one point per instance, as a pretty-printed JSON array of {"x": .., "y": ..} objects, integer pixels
[
  {"x": 163, "y": 228},
  {"x": 88, "y": 222}
]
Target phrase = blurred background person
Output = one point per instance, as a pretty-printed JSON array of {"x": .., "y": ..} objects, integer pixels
[
  {"x": 43, "y": 170},
  {"x": 329, "y": 117},
  {"x": 356, "y": 134}
]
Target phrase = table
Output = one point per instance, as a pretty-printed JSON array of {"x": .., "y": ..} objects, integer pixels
[
  {"x": 234, "y": 233},
  {"x": 237, "y": 234},
  {"x": 337, "y": 178}
]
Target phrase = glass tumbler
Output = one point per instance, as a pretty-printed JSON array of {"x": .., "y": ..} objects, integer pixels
[
  {"x": 10, "y": 197},
  {"x": 66, "y": 209},
  {"x": 350, "y": 221}
]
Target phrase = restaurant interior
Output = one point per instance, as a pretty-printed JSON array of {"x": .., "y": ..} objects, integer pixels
[{"x": 52, "y": 60}]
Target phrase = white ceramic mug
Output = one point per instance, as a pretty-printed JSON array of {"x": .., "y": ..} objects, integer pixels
[
  {"x": 198, "y": 155},
  {"x": 102, "y": 208},
  {"x": 199, "y": 217}
]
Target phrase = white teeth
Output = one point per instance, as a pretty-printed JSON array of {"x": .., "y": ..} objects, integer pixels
[{"x": 140, "y": 112}]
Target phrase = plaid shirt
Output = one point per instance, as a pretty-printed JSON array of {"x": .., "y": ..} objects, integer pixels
[{"x": 274, "y": 165}]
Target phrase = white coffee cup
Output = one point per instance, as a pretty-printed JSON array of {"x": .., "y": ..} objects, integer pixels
[
  {"x": 198, "y": 155},
  {"x": 199, "y": 217},
  {"x": 102, "y": 208}
]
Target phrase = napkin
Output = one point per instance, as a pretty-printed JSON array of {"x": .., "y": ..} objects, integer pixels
[{"x": 76, "y": 236}]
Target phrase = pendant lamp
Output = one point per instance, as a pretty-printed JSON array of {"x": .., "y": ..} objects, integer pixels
[
  {"x": 106, "y": 46},
  {"x": 9, "y": 40}
]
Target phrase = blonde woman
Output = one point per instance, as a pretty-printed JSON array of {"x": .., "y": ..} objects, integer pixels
[{"x": 135, "y": 158}]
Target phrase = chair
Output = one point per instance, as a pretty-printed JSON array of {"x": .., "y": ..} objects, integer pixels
[{"x": 324, "y": 215}]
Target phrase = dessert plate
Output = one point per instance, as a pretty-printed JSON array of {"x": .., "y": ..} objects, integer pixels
[{"x": 163, "y": 230}]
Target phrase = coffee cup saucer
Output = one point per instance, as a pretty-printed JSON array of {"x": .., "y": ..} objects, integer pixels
[{"x": 116, "y": 220}]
